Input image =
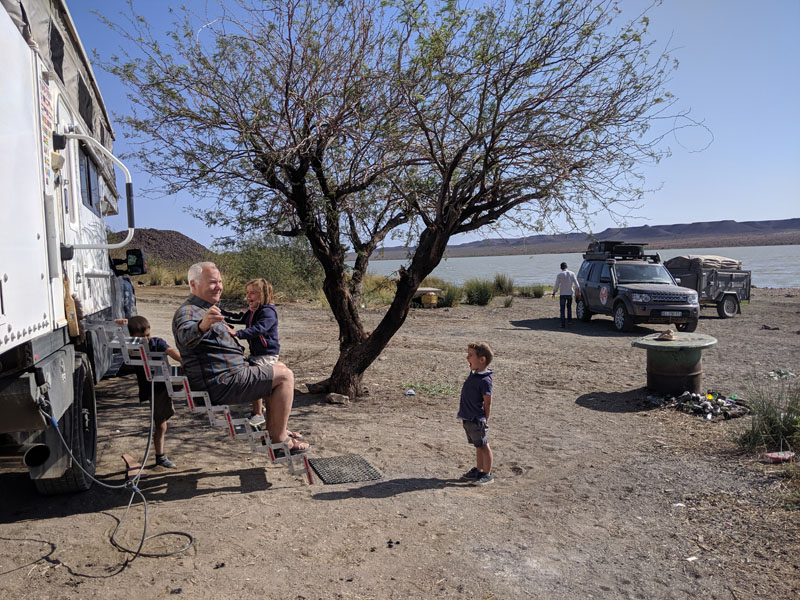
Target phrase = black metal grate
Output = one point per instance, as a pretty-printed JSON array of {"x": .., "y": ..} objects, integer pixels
[{"x": 344, "y": 469}]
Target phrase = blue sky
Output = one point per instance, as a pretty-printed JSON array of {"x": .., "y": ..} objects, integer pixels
[{"x": 739, "y": 74}]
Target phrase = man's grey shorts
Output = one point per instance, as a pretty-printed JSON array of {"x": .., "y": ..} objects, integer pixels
[
  {"x": 243, "y": 386},
  {"x": 477, "y": 433}
]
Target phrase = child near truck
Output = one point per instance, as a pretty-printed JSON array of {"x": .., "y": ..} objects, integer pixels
[{"x": 163, "y": 409}]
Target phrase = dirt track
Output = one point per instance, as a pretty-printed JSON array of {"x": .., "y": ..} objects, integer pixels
[{"x": 598, "y": 494}]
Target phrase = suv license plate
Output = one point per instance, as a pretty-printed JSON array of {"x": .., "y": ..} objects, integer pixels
[{"x": 671, "y": 313}]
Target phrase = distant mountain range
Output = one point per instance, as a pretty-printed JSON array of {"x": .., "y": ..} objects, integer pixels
[
  {"x": 711, "y": 234},
  {"x": 174, "y": 248}
]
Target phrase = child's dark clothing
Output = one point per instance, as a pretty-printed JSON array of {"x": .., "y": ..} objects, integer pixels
[
  {"x": 261, "y": 329},
  {"x": 163, "y": 408},
  {"x": 471, "y": 410}
]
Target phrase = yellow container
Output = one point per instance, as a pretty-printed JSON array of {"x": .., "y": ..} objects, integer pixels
[{"x": 430, "y": 300}]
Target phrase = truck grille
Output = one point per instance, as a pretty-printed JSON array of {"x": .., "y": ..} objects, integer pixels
[{"x": 669, "y": 298}]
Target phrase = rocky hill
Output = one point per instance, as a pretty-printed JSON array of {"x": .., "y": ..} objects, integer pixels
[{"x": 167, "y": 246}]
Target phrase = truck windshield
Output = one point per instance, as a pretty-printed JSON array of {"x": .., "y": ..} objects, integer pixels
[{"x": 641, "y": 273}]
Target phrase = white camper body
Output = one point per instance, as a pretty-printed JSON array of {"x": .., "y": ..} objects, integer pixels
[{"x": 57, "y": 184}]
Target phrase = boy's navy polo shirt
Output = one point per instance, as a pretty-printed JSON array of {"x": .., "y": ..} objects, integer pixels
[{"x": 477, "y": 385}]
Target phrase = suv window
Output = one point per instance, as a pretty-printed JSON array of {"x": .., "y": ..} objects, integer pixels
[
  {"x": 605, "y": 274},
  {"x": 594, "y": 274},
  {"x": 642, "y": 273},
  {"x": 583, "y": 272}
]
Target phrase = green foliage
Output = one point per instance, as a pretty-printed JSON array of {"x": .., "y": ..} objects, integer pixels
[
  {"x": 775, "y": 421},
  {"x": 451, "y": 296},
  {"x": 434, "y": 282},
  {"x": 433, "y": 389},
  {"x": 503, "y": 284},
  {"x": 377, "y": 290},
  {"x": 478, "y": 291},
  {"x": 289, "y": 267},
  {"x": 538, "y": 291}
]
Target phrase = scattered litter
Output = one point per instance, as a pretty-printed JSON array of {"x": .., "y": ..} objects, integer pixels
[
  {"x": 778, "y": 457},
  {"x": 712, "y": 406},
  {"x": 411, "y": 393},
  {"x": 780, "y": 374},
  {"x": 679, "y": 505},
  {"x": 768, "y": 328},
  {"x": 691, "y": 559}
]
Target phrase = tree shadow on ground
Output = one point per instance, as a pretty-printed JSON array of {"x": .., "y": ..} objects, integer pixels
[
  {"x": 391, "y": 487},
  {"x": 617, "y": 402},
  {"x": 595, "y": 328}
]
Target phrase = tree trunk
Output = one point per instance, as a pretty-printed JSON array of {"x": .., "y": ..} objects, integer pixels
[{"x": 357, "y": 351}]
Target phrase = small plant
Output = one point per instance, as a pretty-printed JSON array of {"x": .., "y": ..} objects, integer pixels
[
  {"x": 503, "y": 284},
  {"x": 775, "y": 422},
  {"x": 158, "y": 275},
  {"x": 478, "y": 291},
  {"x": 508, "y": 301},
  {"x": 538, "y": 291},
  {"x": 451, "y": 296},
  {"x": 378, "y": 290},
  {"x": 433, "y": 389},
  {"x": 525, "y": 291}
]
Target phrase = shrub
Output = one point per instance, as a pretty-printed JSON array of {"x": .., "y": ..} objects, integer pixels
[
  {"x": 508, "y": 301},
  {"x": 158, "y": 274},
  {"x": 478, "y": 291},
  {"x": 378, "y": 290},
  {"x": 434, "y": 282},
  {"x": 775, "y": 422},
  {"x": 538, "y": 291},
  {"x": 525, "y": 291},
  {"x": 503, "y": 284},
  {"x": 451, "y": 296}
]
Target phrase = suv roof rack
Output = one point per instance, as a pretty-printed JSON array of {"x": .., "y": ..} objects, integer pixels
[{"x": 619, "y": 250}]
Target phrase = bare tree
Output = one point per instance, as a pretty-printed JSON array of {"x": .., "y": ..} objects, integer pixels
[{"x": 343, "y": 122}]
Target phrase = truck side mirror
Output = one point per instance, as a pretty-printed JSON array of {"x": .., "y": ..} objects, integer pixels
[{"x": 136, "y": 262}]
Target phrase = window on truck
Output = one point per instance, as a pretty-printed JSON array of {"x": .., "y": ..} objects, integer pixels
[
  {"x": 594, "y": 274},
  {"x": 90, "y": 186},
  {"x": 583, "y": 272},
  {"x": 605, "y": 273}
]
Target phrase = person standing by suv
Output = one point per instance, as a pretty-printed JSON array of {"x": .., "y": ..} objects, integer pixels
[{"x": 566, "y": 282}]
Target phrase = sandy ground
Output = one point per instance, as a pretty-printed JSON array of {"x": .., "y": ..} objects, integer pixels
[{"x": 598, "y": 494}]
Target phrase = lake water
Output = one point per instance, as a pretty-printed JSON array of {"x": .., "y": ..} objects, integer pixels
[{"x": 772, "y": 266}]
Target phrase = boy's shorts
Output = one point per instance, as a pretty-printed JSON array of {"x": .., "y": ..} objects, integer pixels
[
  {"x": 263, "y": 359},
  {"x": 477, "y": 433},
  {"x": 163, "y": 408}
]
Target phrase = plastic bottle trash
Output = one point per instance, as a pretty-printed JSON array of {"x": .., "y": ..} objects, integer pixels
[{"x": 411, "y": 393}]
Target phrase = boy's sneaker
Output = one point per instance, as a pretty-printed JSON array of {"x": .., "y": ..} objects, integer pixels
[
  {"x": 472, "y": 474},
  {"x": 163, "y": 461},
  {"x": 484, "y": 479},
  {"x": 257, "y": 420}
]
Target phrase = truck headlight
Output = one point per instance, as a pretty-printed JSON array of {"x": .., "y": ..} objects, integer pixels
[
  {"x": 641, "y": 298},
  {"x": 692, "y": 298}
]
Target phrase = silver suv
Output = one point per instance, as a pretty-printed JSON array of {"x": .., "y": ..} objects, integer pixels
[{"x": 620, "y": 280}]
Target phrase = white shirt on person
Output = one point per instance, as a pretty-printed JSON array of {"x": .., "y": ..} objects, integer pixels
[{"x": 565, "y": 281}]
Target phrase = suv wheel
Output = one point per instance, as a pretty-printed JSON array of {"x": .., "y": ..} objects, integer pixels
[
  {"x": 688, "y": 327},
  {"x": 582, "y": 311},
  {"x": 622, "y": 320},
  {"x": 726, "y": 308}
]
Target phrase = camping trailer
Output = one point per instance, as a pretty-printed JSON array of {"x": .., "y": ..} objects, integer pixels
[{"x": 56, "y": 275}]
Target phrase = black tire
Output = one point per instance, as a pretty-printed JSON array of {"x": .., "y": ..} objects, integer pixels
[
  {"x": 727, "y": 307},
  {"x": 688, "y": 327},
  {"x": 582, "y": 311},
  {"x": 622, "y": 320},
  {"x": 78, "y": 425}
]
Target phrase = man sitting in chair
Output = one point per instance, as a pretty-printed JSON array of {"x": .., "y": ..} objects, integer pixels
[{"x": 214, "y": 361}]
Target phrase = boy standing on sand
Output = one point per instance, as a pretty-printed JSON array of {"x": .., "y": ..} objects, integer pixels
[{"x": 476, "y": 404}]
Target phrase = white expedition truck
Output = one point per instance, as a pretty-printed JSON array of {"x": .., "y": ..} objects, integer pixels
[{"x": 57, "y": 280}]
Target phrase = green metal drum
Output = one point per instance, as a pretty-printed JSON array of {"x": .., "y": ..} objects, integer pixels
[{"x": 675, "y": 366}]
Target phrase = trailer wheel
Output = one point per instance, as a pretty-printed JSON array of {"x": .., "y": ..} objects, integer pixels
[
  {"x": 727, "y": 307},
  {"x": 78, "y": 425}
]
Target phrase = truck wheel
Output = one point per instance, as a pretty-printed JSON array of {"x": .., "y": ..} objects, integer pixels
[
  {"x": 582, "y": 311},
  {"x": 727, "y": 307},
  {"x": 622, "y": 320},
  {"x": 688, "y": 327},
  {"x": 79, "y": 428}
]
